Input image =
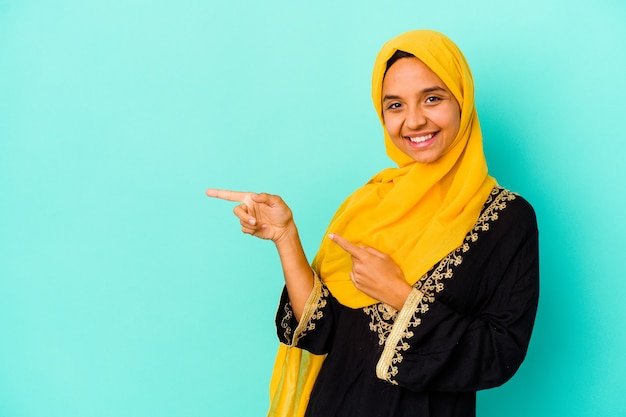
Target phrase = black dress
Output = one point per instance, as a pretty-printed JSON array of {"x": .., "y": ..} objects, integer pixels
[{"x": 465, "y": 327}]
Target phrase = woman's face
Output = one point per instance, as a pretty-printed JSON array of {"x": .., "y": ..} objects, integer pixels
[{"x": 421, "y": 115}]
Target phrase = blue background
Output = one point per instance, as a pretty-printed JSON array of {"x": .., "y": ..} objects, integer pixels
[{"x": 125, "y": 292}]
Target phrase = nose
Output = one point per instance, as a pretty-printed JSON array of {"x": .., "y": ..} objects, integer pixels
[{"x": 415, "y": 117}]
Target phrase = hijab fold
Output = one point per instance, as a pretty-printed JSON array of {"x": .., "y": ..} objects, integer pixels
[{"x": 417, "y": 213}]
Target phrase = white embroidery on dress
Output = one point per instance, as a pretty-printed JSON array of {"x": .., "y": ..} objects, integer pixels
[{"x": 312, "y": 313}]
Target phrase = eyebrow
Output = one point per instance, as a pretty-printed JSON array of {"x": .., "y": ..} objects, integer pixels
[{"x": 424, "y": 91}]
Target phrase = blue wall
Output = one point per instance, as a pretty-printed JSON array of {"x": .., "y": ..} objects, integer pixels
[{"x": 125, "y": 292}]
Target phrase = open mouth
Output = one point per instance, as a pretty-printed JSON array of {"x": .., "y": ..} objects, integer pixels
[{"x": 421, "y": 139}]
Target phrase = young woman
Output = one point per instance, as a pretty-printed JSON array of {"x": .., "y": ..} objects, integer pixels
[{"x": 426, "y": 287}]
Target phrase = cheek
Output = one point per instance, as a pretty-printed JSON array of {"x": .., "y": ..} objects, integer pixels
[
  {"x": 452, "y": 120},
  {"x": 391, "y": 125},
  {"x": 456, "y": 123}
]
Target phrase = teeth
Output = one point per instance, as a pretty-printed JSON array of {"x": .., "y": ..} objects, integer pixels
[{"x": 421, "y": 138}]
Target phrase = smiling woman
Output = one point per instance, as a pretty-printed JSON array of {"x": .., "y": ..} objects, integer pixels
[
  {"x": 421, "y": 115},
  {"x": 427, "y": 286}
]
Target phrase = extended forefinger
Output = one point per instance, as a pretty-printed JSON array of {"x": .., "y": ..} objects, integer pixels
[
  {"x": 354, "y": 250},
  {"x": 238, "y": 196}
]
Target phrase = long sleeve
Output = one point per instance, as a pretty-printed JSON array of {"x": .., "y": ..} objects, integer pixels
[{"x": 316, "y": 328}]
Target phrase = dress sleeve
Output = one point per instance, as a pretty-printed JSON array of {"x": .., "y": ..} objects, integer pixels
[
  {"x": 459, "y": 340},
  {"x": 315, "y": 330}
]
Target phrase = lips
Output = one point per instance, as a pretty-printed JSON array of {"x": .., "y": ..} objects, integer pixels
[{"x": 421, "y": 141}]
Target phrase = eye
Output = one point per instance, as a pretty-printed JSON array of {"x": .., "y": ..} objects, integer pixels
[
  {"x": 394, "y": 106},
  {"x": 433, "y": 99}
]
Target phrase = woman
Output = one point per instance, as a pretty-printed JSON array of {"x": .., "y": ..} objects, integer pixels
[{"x": 427, "y": 286}]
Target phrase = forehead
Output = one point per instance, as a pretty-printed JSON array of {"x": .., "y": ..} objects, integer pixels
[{"x": 411, "y": 73}]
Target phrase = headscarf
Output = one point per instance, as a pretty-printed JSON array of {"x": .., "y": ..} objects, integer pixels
[{"x": 417, "y": 213}]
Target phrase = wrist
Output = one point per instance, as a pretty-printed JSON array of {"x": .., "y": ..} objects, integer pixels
[
  {"x": 401, "y": 295},
  {"x": 288, "y": 236}
]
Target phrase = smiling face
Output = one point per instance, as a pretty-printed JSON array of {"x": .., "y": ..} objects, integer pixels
[{"x": 421, "y": 115}]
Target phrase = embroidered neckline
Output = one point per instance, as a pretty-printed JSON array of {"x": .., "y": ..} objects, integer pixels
[{"x": 395, "y": 328}]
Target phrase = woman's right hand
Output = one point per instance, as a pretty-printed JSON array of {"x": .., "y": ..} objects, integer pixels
[
  {"x": 265, "y": 216},
  {"x": 268, "y": 217}
]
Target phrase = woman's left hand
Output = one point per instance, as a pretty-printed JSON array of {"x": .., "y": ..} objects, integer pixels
[{"x": 375, "y": 273}]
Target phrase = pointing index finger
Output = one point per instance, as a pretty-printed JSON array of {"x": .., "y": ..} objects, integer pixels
[
  {"x": 346, "y": 245},
  {"x": 229, "y": 195}
]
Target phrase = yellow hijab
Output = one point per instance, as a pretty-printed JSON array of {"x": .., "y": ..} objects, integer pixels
[{"x": 416, "y": 213}]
